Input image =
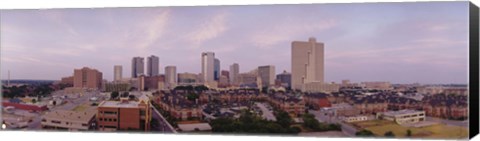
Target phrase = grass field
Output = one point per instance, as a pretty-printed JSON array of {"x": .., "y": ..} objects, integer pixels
[
  {"x": 82, "y": 107},
  {"x": 379, "y": 127}
]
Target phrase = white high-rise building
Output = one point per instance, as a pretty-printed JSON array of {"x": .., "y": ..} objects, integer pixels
[
  {"x": 267, "y": 75},
  {"x": 138, "y": 66},
  {"x": 234, "y": 71},
  {"x": 307, "y": 62},
  {"x": 208, "y": 60},
  {"x": 117, "y": 73},
  {"x": 171, "y": 76},
  {"x": 153, "y": 65}
]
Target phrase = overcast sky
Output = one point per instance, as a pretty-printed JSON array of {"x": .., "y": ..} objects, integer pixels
[{"x": 397, "y": 42}]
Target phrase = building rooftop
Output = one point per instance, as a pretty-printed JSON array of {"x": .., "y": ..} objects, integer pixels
[
  {"x": 119, "y": 104},
  {"x": 80, "y": 116},
  {"x": 401, "y": 112}
]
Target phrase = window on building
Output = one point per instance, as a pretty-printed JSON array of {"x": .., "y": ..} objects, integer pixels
[{"x": 56, "y": 121}]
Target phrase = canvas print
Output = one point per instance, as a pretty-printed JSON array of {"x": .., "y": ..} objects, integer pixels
[{"x": 383, "y": 70}]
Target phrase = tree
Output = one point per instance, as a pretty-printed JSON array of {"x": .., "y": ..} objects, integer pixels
[
  {"x": 125, "y": 94},
  {"x": 114, "y": 95},
  {"x": 409, "y": 133},
  {"x": 389, "y": 134},
  {"x": 364, "y": 133},
  {"x": 154, "y": 123},
  {"x": 131, "y": 97},
  {"x": 283, "y": 119},
  {"x": 201, "y": 88}
]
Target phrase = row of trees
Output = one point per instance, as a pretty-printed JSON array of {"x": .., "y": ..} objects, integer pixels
[
  {"x": 115, "y": 95},
  {"x": 250, "y": 123},
  {"x": 22, "y": 91},
  {"x": 191, "y": 88},
  {"x": 368, "y": 133}
]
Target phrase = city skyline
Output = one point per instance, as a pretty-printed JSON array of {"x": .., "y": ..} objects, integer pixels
[{"x": 436, "y": 53}]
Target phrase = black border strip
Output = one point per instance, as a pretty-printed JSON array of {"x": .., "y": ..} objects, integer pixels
[{"x": 474, "y": 71}]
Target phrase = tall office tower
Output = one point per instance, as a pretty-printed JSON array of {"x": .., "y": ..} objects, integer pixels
[
  {"x": 267, "y": 75},
  {"x": 307, "y": 62},
  {"x": 171, "y": 76},
  {"x": 137, "y": 66},
  {"x": 216, "y": 69},
  {"x": 234, "y": 71},
  {"x": 152, "y": 65},
  {"x": 117, "y": 73},
  {"x": 87, "y": 78},
  {"x": 208, "y": 60}
]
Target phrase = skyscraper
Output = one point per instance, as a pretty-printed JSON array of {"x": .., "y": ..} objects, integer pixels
[
  {"x": 171, "y": 76},
  {"x": 234, "y": 71},
  {"x": 216, "y": 69},
  {"x": 138, "y": 66},
  {"x": 307, "y": 62},
  {"x": 208, "y": 60},
  {"x": 152, "y": 65},
  {"x": 267, "y": 75},
  {"x": 117, "y": 73}
]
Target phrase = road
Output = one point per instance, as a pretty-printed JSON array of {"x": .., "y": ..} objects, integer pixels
[
  {"x": 267, "y": 114},
  {"x": 164, "y": 126}
]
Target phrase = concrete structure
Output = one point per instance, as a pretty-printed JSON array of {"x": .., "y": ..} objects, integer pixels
[
  {"x": 377, "y": 85},
  {"x": 403, "y": 116},
  {"x": 87, "y": 78},
  {"x": 117, "y": 73},
  {"x": 355, "y": 119},
  {"x": 171, "y": 77},
  {"x": 216, "y": 69},
  {"x": 141, "y": 82},
  {"x": 188, "y": 79},
  {"x": 153, "y": 65},
  {"x": 225, "y": 73},
  {"x": 69, "y": 120},
  {"x": 307, "y": 62},
  {"x": 342, "y": 110},
  {"x": 208, "y": 67},
  {"x": 138, "y": 66},
  {"x": 152, "y": 82},
  {"x": 320, "y": 87},
  {"x": 247, "y": 79},
  {"x": 124, "y": 115},
  {"x": 117, "y": 86},
  {"x": 285, "y": 79},
  {"x": 234, "y": 71},
  {"x": 267, "y": 75},
  {"x": 67, "y": 80}
]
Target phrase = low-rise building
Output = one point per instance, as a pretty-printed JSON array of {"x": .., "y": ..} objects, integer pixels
[
  {"x": 355, "y": 119},
  {"x": 403, "y": 116},
  {"x": 124, "y": 115},
  {"x": 69, "y": 120}
]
